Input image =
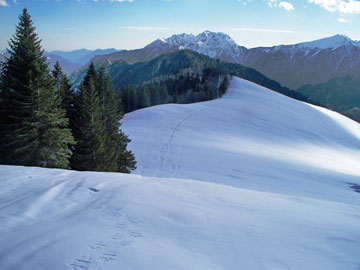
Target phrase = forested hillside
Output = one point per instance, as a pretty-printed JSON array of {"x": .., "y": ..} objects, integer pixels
[
  {"x": 339, "y": 94},
  {"x": 185, "y": 74}
]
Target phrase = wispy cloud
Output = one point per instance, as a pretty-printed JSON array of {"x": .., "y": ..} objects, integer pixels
[
  {"x": 342, "y": 6},
  {"x": 343, "y": 20},
  {"x": 3, "y": 3},
  {"x": 122, "y": 1},
  {"x": 272, "y": 3},
  {"x": 261, "y": 30},
  {"x": 148, "y": 28},
  {"x": 112, "y": 1},
  {"x": 245, "y": 2},
  {"x": 286, "y": 5}
]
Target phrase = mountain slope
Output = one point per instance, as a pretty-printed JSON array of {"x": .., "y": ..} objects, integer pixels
[
  {"x": 67, "y": 66},
  {"x": 339, "y": 94},
  {"x": 283, "y": 202},
  {"x": 295, "y": 66},
  {"x": 183, "y": 62}
]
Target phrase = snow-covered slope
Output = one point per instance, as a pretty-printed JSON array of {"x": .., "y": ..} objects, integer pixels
[
  {"x": 250, "y": 138},
  {"x": 275, "y": 193}
]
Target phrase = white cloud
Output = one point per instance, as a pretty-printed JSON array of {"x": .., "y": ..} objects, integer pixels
[
  {"x": 342, "y": 6},
  {"x": 261, "y": 30},
  {"x": 245, "y": 2},
  {"x": 343, "y": 20},
  {"x": 3, "y": 3},
  {"x": 286, "y": 5},
  {"x": 148, "y": 28},
  {"x": 122, "y": 1},
  {"x": 272, "y": 3}
]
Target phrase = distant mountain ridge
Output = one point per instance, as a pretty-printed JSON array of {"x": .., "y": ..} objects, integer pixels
[
  {"x": 69, "y": 61},
  {"x": 82, "y": 56},
  {"x": 67, "y": 66}
]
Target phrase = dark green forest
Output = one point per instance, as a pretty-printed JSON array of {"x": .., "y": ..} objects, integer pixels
[
  {"x": 339, "y": 94},
  {"x": 43, "y": 122}
]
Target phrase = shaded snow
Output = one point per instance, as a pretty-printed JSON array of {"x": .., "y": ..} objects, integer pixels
[{"x": 276, "y": 191}]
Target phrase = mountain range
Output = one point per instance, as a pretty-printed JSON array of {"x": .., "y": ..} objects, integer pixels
[
  {"x": 315, "y": 66},
  {"x": 311, "y": 64},
  {"x": 292, "y": 65}
]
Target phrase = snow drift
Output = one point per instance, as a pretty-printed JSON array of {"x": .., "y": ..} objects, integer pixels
[{"x": 269, "y": 187}]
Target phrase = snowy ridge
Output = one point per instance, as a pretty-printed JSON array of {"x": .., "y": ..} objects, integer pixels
[
  {"x": 276, "y": 191},
  {"x": 208, "y": 43},
  {"x": 296, "y": 65},
  {"x": 333, "y": 42},
  {"x": 211, "y": 43}
]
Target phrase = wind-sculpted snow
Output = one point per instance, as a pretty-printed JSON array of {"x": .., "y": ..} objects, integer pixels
[{"x": 279, "y": 189}]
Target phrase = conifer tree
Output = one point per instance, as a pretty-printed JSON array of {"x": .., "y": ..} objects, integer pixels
[
  {"x": 33, "y": 127},
  {"x": 64, "y": 90},
  {"x": 164, "y": 93},
  {"x": 117, "y": 157},
  {"x": 62, "y": 86},
  {"x": 143, "y": 97},
  {"x": 89, "y": 129}
]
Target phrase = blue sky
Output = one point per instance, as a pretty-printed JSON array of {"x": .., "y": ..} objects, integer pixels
[{"x": 130, "y": 24}]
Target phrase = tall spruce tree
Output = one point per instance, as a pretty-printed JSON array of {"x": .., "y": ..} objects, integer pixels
[
  {"x": 118, "y": 158},
  {"x": 101, "y": 143},
  {"x": 89, "y": 129},
  {"x": 63, "y": 89},
  {"x": 33, "y": 127}
]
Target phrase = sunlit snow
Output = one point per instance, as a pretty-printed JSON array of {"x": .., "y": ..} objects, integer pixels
[{"x": 254, "y": 180}]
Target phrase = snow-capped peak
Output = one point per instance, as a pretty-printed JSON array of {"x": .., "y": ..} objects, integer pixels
[
  {"x": 332, "y": 42},
  {"x": 209, "y": 43},
  {"x": 163, "y": 40}
]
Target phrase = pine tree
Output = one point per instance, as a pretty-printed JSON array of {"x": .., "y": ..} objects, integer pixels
[
  {"x": 63, "y": 87},
  {"x": 117, "y": 157},
  {"x": 132, "y": 98},
  {"x": 164, "y": 93},
  {"x": 143, "y": 97},
  {"x": 64, "y": 90},
  {"x": 89, "y": 129},
  {"x": 33, "y": 126}
]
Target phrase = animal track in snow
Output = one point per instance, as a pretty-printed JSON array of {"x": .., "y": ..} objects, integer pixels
[{"x": 107, "y": 250}]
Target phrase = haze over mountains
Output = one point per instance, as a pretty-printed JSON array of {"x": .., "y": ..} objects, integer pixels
[{"x": 69, "y": 61}]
